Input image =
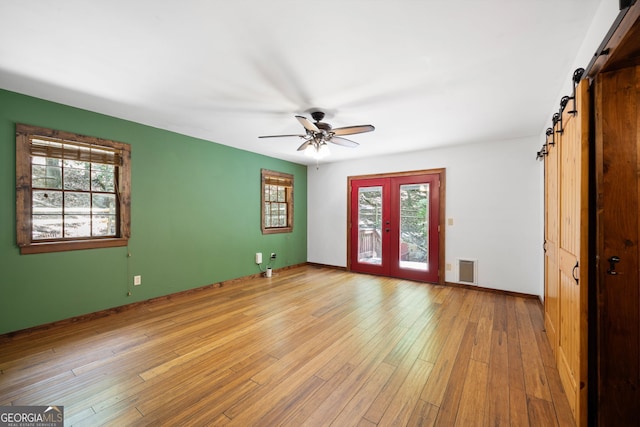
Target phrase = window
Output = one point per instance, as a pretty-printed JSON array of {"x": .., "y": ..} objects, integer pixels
[
  {"x": 277, "y": 202},
  {"x": 72, "y": 191}
]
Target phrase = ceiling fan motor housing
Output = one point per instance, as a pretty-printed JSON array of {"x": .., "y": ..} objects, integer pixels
[{"x": 317, "y": 116}]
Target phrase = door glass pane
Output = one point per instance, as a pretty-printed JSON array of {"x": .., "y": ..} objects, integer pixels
[
  {"x": 414, "y": 226},
  {"x": 370, "y": 225}
]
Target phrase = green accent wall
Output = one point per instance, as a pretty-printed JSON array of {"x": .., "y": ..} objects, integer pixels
[{"x": 195, "y": 220}]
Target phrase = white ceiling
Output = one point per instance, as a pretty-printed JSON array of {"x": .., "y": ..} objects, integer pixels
[{"x": 426, "y": 73}]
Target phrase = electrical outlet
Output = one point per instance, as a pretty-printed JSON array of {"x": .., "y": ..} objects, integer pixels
[
  {"x": 273, "y": 255},
  {"x": 137, "y": 280},
  {"x": 448, "y": 267}
]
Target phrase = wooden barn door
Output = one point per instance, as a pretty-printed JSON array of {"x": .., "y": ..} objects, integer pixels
[
  {"x": 618, "y": 230},
  {"x": 573, "y": 252},
  {"x": 552, "y": 274},
  {"x": 566, "y": 249}
]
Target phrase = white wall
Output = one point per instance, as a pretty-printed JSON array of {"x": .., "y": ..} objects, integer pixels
[
  {"x": 492, "y": 193},
  {"x": 604, "y": 18}
]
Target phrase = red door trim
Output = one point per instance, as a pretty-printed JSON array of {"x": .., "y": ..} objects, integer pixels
[{"x": 437, "y": 240}]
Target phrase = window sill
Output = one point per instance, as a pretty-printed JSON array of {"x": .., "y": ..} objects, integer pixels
[
  {"x": 46, "y": 247},
  {"x": 277, "y": 230}
]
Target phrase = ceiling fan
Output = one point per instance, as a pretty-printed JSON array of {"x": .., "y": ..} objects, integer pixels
[{"x": 319, "y": 133}]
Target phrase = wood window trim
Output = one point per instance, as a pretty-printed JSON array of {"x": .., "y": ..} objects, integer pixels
[
  {"x": 24, "y": 200},
  {"x": 266, "y": 174}
]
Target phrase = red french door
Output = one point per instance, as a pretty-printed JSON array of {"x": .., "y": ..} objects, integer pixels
[{"x": 394, "y": 226}]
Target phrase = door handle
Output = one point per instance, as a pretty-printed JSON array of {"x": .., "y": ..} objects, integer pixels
[
  {"x": 573, "y": 272},
  {"x": 612, "y": 265}
]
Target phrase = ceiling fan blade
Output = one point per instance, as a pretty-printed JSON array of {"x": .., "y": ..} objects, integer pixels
[
  {"x": 343, "y": 141},
  {"x": 307, "y": 124},
  {"x": 304, "y": 145},
  {"x": 281, "y": 136},
  {"x": 350, "y": 130}
]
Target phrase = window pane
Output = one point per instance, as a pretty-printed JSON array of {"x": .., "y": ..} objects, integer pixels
[
  {"x": 104, "y": 225},
  {"x": 75, "y": 164},
  {"x": 104, "y": 204},
  {"x": 46, "y": 227},
  {"x": 414, "y": 226},
  {"x": 47, "y": 202},
  {"x": 46, "y": 176},
  {"x": 370, "y": 225},
  {"x": 102, "y": 177},
  {"x": 76, "y": 179},
  {"x": 77, "y": 204},
  {"x": 77, "y": 225},
  {"x": 46, "y": 161},
  {"x": 38, "y": 176},
  {"x": 46, "y": 172},
  {"x": 281, "y": 194}
]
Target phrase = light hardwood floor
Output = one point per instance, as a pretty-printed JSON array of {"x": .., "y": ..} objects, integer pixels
[{"x": 311, "y": 346}]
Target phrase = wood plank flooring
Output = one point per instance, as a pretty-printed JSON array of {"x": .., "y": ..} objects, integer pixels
[{"x": 310, "y": 346}]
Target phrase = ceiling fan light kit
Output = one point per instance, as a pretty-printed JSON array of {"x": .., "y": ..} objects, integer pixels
[
  {"x": 317, "y": 151},
  {"x": 318, "y": 134}
]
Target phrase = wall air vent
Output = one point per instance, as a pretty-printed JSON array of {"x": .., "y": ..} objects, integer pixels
[{"x": 468, "y": 271}]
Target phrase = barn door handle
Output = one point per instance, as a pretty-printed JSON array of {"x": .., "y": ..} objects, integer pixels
[
  {"x": 612, "y": 265},
  {"x": 573, "y": 272}
]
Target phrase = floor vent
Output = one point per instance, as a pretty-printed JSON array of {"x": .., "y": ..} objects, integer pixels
[{"x": 468, "y": 271}]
